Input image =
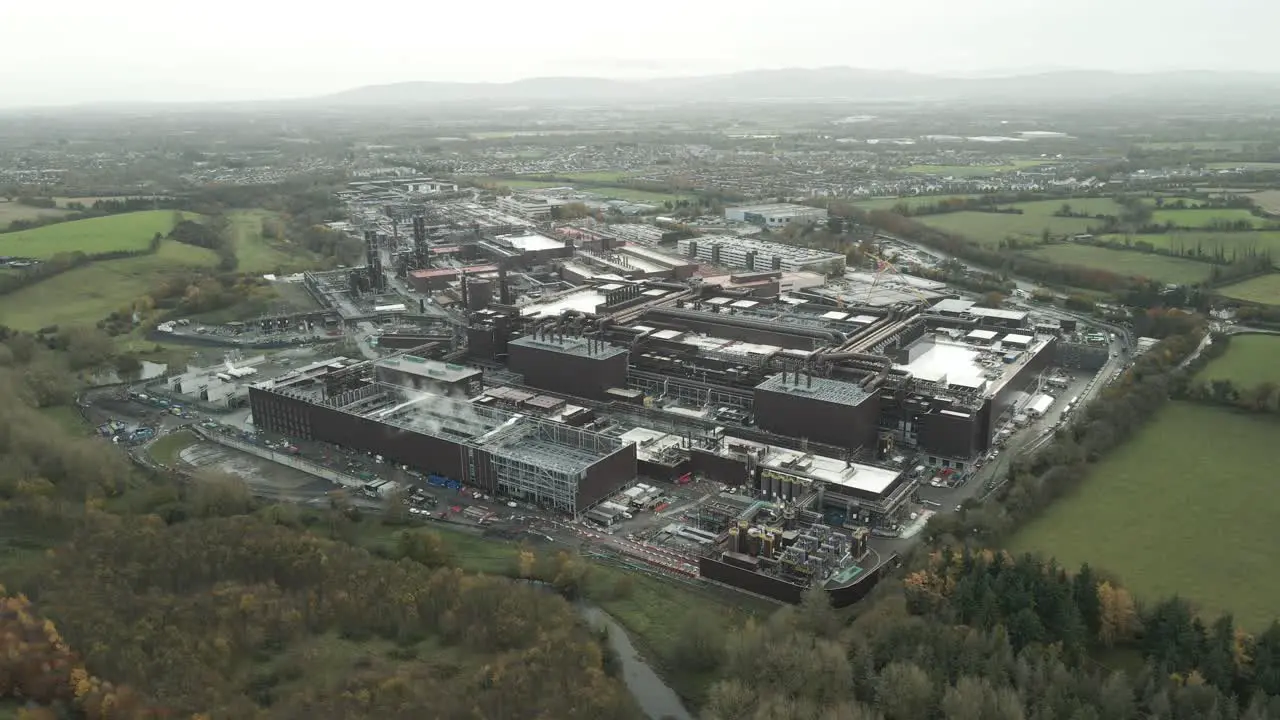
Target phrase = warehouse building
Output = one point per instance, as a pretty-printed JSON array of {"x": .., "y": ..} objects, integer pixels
[
  {"x": 776, "y": 215},
  {"x": 579, "y": 366},
  {"x": 430, "y": 376},
  {"x": 742, "y": 253},
  {"x": 532, "y": 459}
]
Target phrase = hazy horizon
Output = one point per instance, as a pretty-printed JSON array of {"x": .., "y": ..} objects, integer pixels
[{"x": 77, "y": 52}]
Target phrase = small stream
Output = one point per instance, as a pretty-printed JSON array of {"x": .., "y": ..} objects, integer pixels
[{"x": 656, "y": 699}]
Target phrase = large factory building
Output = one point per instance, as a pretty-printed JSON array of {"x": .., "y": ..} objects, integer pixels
[{"x": 540, "y": 461}]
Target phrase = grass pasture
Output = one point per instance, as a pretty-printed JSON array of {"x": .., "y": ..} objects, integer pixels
[
  {"x": 130, "y": 231},
  {"x": 636, "y": 196},
  {"x": 256, "y": 254},
  {"x": 1204, "y": 217},
  {"x": 88, "y": 294},
  {"x": 1209, "y": 242},
  {"x": 603, "y": 176},
  {"x": 1264, "y": 290},
  {"x": 1250, "y": 360},
  {"x": 1184, "y": 507},
  {"x": 990, "y": 228},
  {"x": 1037, "y": 215},
  {"x": 513, "y": 184},
  {"x": 1154, "y": 267},
  {"x": 1268, "y": 201},
  {"x": 914, "y": 201},
  {"x": 11, "y": 210}
]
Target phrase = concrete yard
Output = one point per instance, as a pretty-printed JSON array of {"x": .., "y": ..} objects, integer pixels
[{"x": 264, "y": 477}]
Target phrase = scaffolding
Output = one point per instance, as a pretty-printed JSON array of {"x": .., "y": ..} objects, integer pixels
[{"x": 544, "y": 462}]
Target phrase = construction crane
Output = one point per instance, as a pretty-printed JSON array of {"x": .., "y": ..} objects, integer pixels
[{"x": 884, "y": 266}]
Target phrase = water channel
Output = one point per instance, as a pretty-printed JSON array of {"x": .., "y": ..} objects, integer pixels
[{"x": 655, "y": 698}]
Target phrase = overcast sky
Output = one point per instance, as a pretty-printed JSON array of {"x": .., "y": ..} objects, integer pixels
[{"x": 74, "y": 51}]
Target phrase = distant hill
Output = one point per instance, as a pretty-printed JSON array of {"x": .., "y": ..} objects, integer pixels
[{"x": 837, "y": 83}]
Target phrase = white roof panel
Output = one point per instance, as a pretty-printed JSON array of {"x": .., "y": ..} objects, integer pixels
[{"x": 835, "y": 315}]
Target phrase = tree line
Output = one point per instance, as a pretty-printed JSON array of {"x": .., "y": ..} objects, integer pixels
[{"x": 79, "y": 211}]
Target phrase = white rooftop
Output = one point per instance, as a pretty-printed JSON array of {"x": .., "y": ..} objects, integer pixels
[
  {"x": 581, "y": 300},
  {"x": 668, "y": 334},
  {"x": 732, "y": 347},
  {"x": 982, "y": 334},
  {"x": 744, "y": 304},
  {"x": 866, "y": 478},
  {"x": 946, "y": 362},
  {"x": 1018, "y": 339},
  {"x": 835, "y": 315},
  {"x": 649, "y": 443},
  {"x": 533, "y": 241}
]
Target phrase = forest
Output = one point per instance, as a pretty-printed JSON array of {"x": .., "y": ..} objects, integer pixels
[{"x": 132, "y": 595}]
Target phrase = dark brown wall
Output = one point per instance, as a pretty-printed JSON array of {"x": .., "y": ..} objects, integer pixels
[
  {"x": 574, "y": 375},
  {"x": 1026, "y": 375},
  {"x": 845, "y": 426},
  {"x": 421, "y": 452},
  {"x": 786, "y": 592},
  {"x": 750, "y": 581},
  {"x": 718, "y": 468},
  {"x": 607, "y": 477},
  {"x": 949, "y": 436}
]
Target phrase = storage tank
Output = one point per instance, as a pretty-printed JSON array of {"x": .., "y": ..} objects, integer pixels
[
  {"x": 479, "y": 294},
  {"x": 734, "y": 540},
  {"x": 786, "y": 488},
  {"x": 753, "y": 541},
  {"x": 775, "y": 486},
  {"x": 789, "y": 518},
  {"x": 770, "y": 541},
  {"x": 764, "y": 483}
]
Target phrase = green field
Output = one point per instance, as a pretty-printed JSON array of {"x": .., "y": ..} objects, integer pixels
[
  {"x": 1126, "y": 262},
  {"x": 513, "y": 184},
  {"x": 1209, "y": 242},
  {"x": 1183, "y": 508},
  {"x": 130, "y": 231},
  {"x": 1037, "y": 215},
  {"x": 10, "y": 211},
  {"x": 1203, "y": 217},
  {"x": 167, "y": 449},
  {"x": 1250, "y": 360},
  {"x": 603, "y": 176},
  {"x": 88, "y": 294},
  {"x": 254, "y": 253},
  {"x": 991, "y": 228},
  {"x": 914, "y": 201},
  {"x": 1264, "y": 290}
]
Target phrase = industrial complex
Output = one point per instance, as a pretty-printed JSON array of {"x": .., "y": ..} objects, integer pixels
[{"x": 568, "y": 366}]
